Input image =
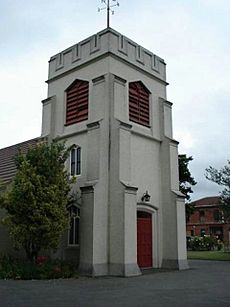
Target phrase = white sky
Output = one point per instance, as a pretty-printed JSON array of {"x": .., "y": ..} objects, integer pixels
[{"x": 191, "y": 35}]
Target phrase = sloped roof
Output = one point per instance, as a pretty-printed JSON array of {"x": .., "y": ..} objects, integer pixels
[
  {"x": 7, "y": 156},
  {"x": 207, "y": 201}
]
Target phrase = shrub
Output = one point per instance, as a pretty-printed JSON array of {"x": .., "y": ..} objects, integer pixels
[
  {"x": 44, "y": 268},
  {"x": 204, "y": 243},
  {"x": 37, "y": 200}
]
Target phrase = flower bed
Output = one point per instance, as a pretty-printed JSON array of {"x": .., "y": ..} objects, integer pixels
[{"x": 44, "y": 268}]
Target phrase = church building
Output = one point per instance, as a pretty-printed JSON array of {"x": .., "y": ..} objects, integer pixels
[{"x": 107, "y": 99}]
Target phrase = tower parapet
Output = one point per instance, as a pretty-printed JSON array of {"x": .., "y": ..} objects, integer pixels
[{"x": 106, "y": 42}]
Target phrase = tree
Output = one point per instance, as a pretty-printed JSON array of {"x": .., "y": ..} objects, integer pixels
[
  {"x": 222, "y": 178},
  {"x": 36, "y": 203},
  {"x": 186, "y": 181}
]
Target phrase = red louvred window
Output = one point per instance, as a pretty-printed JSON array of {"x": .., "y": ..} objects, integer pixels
[
  {"x": 77, "y": 97},
  {"x": 138, "y": 103}
]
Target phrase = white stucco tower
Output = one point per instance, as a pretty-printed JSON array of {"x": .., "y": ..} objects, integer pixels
[{"x": 107, "y": 96}]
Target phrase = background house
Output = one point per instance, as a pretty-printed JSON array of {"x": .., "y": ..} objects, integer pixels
[{"x": 208, "y": 220}]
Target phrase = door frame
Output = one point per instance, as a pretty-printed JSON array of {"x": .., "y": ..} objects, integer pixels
[{"x": 155, "y": 233}]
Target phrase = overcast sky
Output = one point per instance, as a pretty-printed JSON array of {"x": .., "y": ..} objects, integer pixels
[{"x": 192, "y": 36}]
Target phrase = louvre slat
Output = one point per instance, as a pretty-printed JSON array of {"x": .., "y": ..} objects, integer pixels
[
  {"x": 76, "y": 116},
  {"x": 144, "y": 100},
  {"x": 77, "y": 89},
  {"x": 141, "y": 100},
  {"x": 74, "y": 121},
  {"x": 77, "y": 102},
  {"x": 139, "y": 95},
  {"x": 137, "y": 107},
  {"x": 133, "y": 104},
  {"x": 139, "y": 121},
  {"x": 75, "y": 107},
  {"x": 82, "y": 113},
  {"x": 77, "y": 94},
  {"x": 145, "y": 119},
  {"x": 72, "y": 115},
  {"x": 81, "y": 118},
  {"x": 70, "y": 110},
  {"x": 72, "y": 104},
  {"x": 134, "y": 111},
  {"x": 79, "y": 86},
  {"x": 138, "y": 103},
  {"x": 143, "y": 109},
  {"x": 139, "y": 110}
]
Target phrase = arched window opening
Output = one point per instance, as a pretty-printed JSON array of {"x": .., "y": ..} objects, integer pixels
[
  {"x": 77, "y": 98},
  {"x": 75, "y": 161},
  {"x": 139, "y": 103},
  {"x": 74, "y": 227}
]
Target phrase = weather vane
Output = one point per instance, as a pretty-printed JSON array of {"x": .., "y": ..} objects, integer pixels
[{"x": 108, "y": 7}]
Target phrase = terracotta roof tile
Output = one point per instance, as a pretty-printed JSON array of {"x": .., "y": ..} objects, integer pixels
[{"x": 207, "y": 201}]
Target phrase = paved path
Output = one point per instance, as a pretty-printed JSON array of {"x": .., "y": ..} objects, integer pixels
[{"x": 207, "y": 283}]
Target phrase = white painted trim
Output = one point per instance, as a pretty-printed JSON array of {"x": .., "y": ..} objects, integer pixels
[{"x": 149, "y": 208}]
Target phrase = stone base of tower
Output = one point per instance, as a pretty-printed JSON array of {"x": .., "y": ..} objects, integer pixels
[
  {"x": 174, "y": 252},
  {"x": 88, "y": 269},
  {"x": 126, "y": 270},
  {"x": 113, "y": 269},
  {"x": 175, "y": 264}
]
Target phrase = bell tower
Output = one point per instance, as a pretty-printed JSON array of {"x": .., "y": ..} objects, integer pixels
[{"x": 107, "y": 96}]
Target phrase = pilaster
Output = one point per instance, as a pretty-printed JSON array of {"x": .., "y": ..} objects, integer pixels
[{"x": 93, "y": 251}]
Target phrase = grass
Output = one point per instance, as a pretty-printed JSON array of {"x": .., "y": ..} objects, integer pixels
[{"x": 209, "y": 255}]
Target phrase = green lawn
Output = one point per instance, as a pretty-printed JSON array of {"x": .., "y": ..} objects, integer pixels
[{"x": 209, "y": 255}]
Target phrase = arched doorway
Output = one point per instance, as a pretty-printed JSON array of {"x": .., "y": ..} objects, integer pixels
[{"x": 144, "y": 239}]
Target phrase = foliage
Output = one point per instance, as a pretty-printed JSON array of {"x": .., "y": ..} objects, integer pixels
[
  {"x": 204, "y": 243},
  {"x": 222, "y": 178},
  {"x": 11, "y": 268},
  {"x": 186, "y": 181},
  {"x": 37, "y": 200},
  {"x": 185, "y": 178}
]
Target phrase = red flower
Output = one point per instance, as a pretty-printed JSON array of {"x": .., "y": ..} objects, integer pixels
[{"x": 42, "y": 259}]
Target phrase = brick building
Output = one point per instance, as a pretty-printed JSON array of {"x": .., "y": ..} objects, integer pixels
[{"x": 208, "y": 220}]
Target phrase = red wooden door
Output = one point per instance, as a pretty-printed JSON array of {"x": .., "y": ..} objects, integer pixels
[{"x": 144, "y": 239}]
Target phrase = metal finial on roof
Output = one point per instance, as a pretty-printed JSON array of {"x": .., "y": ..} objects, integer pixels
[{"x": 108, "y": 7}]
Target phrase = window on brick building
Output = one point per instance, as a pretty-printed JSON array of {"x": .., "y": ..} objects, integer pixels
[
  {"x": 77, "y": 99},
  {"x": 202, "y": 216},
  {"x": 139, "y": 103},
  {"x": 217, "y": 215},
  {"x": 202, "y": 232}
]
